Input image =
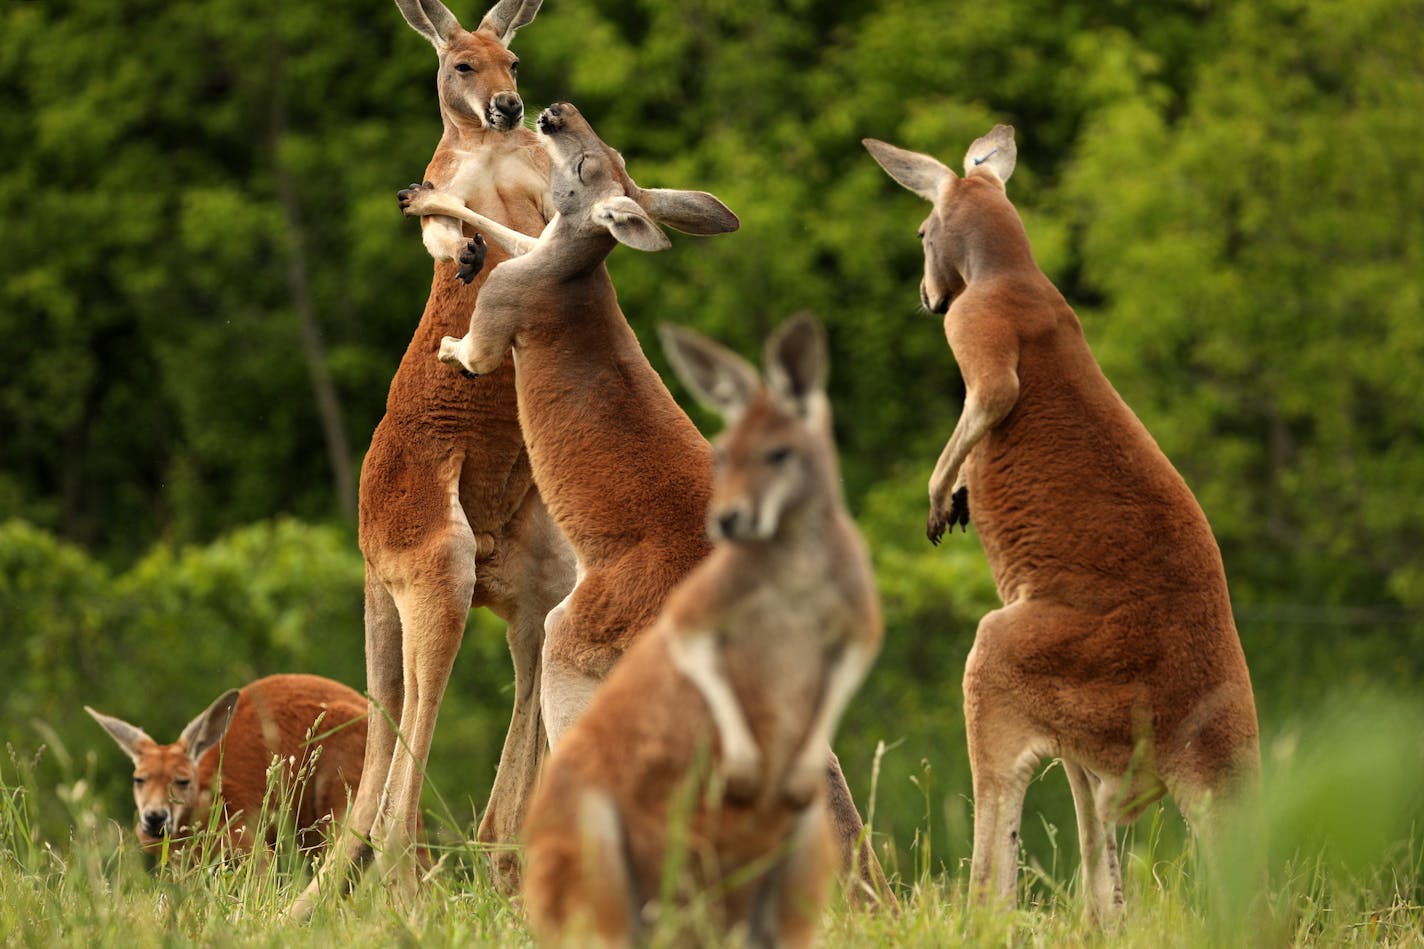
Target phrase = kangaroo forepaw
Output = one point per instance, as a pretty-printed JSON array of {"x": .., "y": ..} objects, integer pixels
[
  {"x": 935, "y": 524},
  {"x": 408, "y": 198},
  {"x": 959, "y": 509},
  {"x": 450, "y": 355},
  {"x": 472, "y": 259}
]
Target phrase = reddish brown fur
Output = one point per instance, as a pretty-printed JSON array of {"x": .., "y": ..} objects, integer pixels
[
  {"x": 1116, "y": 649},
  {"x": 786, "y": 606},
  {"x": 450, "y": 517},
  {"x": 273, "y": 717},
  {"x": 624, "y": 472},
  {"x": 644, "y": 760}
]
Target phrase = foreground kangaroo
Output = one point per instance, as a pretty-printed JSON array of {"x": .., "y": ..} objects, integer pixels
[
  {"x": 760, "y": 646},
  {"x": 1115, "y": 649},
  {"x": 625, "y": 473},
  {"x": 449, "y": 515},
  {"x": 225, "y": 752}
]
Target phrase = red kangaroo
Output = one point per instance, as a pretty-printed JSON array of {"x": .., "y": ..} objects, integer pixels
[
  {"x": 1115, "y": 649},
  {"x": 223, "y": 755},
  {"x": 625, "y": 473},
  {"x": 450, "y": 517},
  {"x": 760, "y": 647}
]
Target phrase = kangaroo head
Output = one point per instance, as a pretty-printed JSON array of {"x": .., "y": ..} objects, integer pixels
[
  {"x": 776, "y": 458},
  {"x": 594, "y": 194},
  {"x": 970, "y": 214},
  {"x": 166, "y": 783},
  {"x": 477, "y": 73}
]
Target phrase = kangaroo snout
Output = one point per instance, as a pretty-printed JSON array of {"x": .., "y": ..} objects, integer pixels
[
  {"x": 155, "y": 823},
  {"x": 732, "y": 523},
  {"x": 506, "y": 110}
]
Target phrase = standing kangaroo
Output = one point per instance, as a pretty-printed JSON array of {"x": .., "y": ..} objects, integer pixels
[
  {"x": 623, "y": 470},
  {"x": 755, "y": 654},
  {"x": 224, "y": 754},
  {"x": 450, "y": 518},
  {"x": 1115, "y": 649}
]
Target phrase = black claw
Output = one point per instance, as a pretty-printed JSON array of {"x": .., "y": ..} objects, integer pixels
[
  {"x": 472, "y": 260},
  {"x": 468, "y": 374},
  {"x": 959, "y": 509}
]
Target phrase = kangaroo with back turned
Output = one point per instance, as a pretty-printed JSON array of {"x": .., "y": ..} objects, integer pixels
[{"x": 1115, "y": 649}]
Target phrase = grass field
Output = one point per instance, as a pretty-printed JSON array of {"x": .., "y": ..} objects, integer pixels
[{"x": 1331, "y": 855}]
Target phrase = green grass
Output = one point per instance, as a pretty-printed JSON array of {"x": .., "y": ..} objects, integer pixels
[{"x": 1331, "y": 854}]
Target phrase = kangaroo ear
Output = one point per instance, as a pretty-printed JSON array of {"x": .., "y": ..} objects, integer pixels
[
  {"x": 626, "y": 220},
  {"x": 716, "y": 376},
  {"x": 507, "y": 16},
  {"x": 130, "y": 738},
  {"x": 431, "y": 19},
  {"x": 995, "y": 152},
  {"x": 692, "y": 212},
  {"x": 919, "y": 173},
  {"x": 208, "y": 728},
  {"x": 796, "y": 364}
]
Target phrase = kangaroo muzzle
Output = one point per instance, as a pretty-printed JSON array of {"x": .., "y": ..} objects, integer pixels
[{"x": 506, "y": 110}]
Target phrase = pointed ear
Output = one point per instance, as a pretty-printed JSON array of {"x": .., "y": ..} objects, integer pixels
[
  {"x": 692, "y": 212},
  {"x": 716, "y": 376},
  {"x": 626, "y": 220},
  {"x": 431, "y": 19},
  {"x": 919, "y": 173},
  {"x": 795, "y": 364},
  {"x": 507, "y": 16},
  {"x": 208, "y": 728},
  {"x": 130, "y": 738},
  {"x": 995, "y": 152}
]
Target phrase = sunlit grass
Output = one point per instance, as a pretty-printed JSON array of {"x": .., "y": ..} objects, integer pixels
[{"x": 1328, "y": 856}]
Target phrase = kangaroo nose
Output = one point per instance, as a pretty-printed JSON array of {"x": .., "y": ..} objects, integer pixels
[
  {"x": 509, "y": 105},
  {"x": 154, "y": 822},
  {"x": 726, "y": 523}
]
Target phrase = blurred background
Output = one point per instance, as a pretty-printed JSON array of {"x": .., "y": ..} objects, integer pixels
[{"x": 205, "y": 287}]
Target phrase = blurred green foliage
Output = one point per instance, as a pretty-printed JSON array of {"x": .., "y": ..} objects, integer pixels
[{"x": 1227, "y": 191}]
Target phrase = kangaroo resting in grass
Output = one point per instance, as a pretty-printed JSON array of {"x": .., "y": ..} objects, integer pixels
[
  {"x": 625, "y": 473},
  {"x": 753, "y": 659},
  {"x": 224, "y": 755},
  {"x": 450, "y": 517},
  {"x": 1115, "y": 649}
]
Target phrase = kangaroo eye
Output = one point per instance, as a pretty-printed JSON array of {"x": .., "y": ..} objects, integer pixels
[
  {"x": 181, "y": 782},
  {"x": 778, "y": 456},
  {"x": 514, "y": 67},
  {"x": 138, "y": 782},
  {"x": 579, "y": 170},
  {"x": 464, "y": 67}
]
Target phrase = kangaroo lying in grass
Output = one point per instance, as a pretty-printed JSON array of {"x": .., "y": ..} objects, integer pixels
[
  {"x": 1115, "y": 649},
  {"x": 223, "y": 757},
  {"x": 754, "y": 657}
]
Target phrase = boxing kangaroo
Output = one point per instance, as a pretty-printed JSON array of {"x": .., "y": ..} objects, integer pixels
[
  {"x": 450, "y": 518},
  {"x": 623, "y": 470},
  {"x": 1115, "y": 649},
  {"x": 754, "y": 658}
]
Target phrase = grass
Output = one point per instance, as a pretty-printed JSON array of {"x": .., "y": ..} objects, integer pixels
[{"x": 1328, "y": 856}]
